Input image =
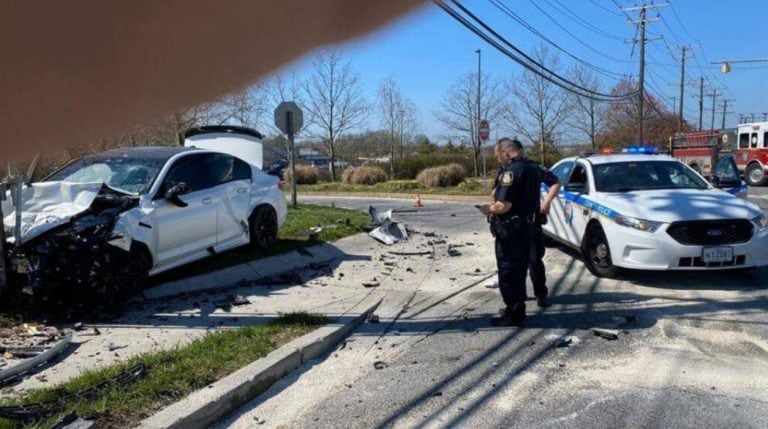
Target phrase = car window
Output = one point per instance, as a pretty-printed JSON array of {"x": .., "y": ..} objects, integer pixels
[
  {"x": 726, "y": 170},
  {"x": 242, "y": 171},
  {"x": 563, "y": 171},
  {"x": 133, "y": 175},
  {"x": 192, "y": 170},
  {"x": 579, "y": 175},
  {"x": 645, "y": 175},
  {"x": 744, "y": 141},
  {"x": 220, "y": 168},
  {"x": 753, "y": 141}
]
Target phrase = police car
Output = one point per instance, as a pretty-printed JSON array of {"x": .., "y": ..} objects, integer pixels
[{"x": 643, "y": 210}]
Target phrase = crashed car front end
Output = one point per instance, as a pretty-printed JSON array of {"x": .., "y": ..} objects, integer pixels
[{"x": 66, "y": 241}]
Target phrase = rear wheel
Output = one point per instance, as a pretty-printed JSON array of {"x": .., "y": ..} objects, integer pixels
[
  {"x": 755, "y": 175},
  {"x": 262, "y": 225},
  {"x": 597, "y": 253}
]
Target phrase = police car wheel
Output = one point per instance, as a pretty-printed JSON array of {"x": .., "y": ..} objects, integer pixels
[{"x": 597, "y": 254}]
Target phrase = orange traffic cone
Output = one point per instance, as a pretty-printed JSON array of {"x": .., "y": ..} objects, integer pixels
[{"x": 418, "y": 204}]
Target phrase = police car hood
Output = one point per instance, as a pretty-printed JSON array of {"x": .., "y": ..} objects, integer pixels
[{"x": 670, "y": 205}]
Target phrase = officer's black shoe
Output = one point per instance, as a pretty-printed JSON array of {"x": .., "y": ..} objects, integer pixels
[
  {"x": 543, "y": 302},
  {"x": 514, "y": 316}
]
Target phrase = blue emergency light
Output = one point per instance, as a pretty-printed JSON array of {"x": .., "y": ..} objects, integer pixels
[{"x": 640, "y": 150}]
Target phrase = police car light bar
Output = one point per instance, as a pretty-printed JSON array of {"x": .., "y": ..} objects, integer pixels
[{"x": 640, "y": 150}]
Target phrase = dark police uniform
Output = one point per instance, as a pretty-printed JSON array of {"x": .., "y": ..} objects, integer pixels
[
  {"x": 518, "y": 185},
  {"x": 536, "y": 263}
]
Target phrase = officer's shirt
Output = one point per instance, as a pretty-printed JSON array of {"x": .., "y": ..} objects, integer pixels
[{"x": 519, "y": 185}]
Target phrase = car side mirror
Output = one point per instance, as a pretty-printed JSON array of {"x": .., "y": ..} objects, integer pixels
[
  {"x": 172, "y": 194},
  {"x": 576, "y": 187},
  {"x": 715, "y": 181}
]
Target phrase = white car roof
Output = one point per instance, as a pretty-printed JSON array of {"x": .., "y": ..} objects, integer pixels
[{"x": 621, "y": 157}]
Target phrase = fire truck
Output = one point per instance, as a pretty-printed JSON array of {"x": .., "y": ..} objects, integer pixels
[{"x": 712, "y": 152}]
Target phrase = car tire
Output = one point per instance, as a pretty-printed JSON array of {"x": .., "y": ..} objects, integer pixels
[
  {"x": 262, "y": 227},
  {"x": 132, "y": 275},
  {"x": 597, "y": 253},
  {"x": 755, "y": 175}
]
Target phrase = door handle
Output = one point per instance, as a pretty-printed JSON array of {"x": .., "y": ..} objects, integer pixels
[{"x": 207, "y": 200}]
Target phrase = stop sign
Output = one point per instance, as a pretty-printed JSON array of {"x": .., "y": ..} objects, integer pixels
[{"x": 484, "y": 129}]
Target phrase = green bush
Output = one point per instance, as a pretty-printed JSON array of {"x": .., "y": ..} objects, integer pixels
[
  {"x": 363, "y": 176},
  {"x": 400, "y": 185},
  {"x": 443, "y": 176},
  {"x": 408, "y": 168}
]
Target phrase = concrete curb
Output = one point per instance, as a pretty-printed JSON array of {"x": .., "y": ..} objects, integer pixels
[
  {"x": 229, "y": 277},
  {"x": 205, "y": 407},
  {"x": 398, "y": 196}
]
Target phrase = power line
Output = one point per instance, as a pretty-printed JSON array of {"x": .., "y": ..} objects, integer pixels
[
  {"x": 549, "y": 76},
  {"x": 582, "y": 22},
  {"x": 590, "y": 47},
  {"x": 507, "y": 11},
  {"x": 605, "y": 8}
]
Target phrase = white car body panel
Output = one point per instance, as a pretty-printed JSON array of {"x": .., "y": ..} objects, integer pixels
[
  {"x": 636, "y": 249},
  {"x": 248, "y": 148}
]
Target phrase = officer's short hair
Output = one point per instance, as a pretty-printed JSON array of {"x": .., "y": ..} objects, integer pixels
[{"x": 508, "y": 143}]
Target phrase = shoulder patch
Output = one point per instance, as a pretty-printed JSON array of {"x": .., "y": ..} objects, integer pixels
[{"x": 507, "y": 178}]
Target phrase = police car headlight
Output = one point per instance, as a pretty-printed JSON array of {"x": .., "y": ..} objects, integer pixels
[
  {"x": 641, "y": 224},
  {"x": 761, "y": 221}
]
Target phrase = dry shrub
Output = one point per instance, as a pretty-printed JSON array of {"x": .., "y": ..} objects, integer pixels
[
  {"x": 305, "y": 175},
  {"x": 445, "y": 175},
  {"x": 363, "y": 176}
]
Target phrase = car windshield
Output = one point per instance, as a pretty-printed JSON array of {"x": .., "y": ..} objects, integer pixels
[
  {"x": 645, "y": 175},
  {"x": 130, "y": 174}
]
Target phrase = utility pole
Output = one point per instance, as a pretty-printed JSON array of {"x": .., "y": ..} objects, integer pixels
[
  {"x": 701, "y": 101},
  {"x": 725, "y": 110},
  {"x": 641, "y": 84},
  {"x": 682, "y": 92},
  {"x": 479, "y": 117},
  {"x": 713, "y": 94}
]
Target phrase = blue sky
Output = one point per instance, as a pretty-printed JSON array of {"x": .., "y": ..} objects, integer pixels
[{"x": 427, "y": 51}]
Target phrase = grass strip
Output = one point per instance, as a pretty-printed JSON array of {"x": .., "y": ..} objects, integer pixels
[{"x": 171, "y": 374}]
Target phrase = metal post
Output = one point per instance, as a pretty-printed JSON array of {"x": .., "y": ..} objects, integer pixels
[
  {"x": 714, "y": 99},
  {"x": 642, "y": 77},
  {"x": 682, "y": 93},
  {"x": 701, "y": 102},
  {"x": 3, "y": 277},
  {"x": 725, "y": 107},
  {"x": 289, "y": 122}
]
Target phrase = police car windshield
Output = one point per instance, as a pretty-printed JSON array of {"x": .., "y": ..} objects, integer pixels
[{"x": 645, "y": 175}]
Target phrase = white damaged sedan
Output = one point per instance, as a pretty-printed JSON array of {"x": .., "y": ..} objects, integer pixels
[
  {"x": 652, "y": 212},
  {"x": 109, "y": 220}
]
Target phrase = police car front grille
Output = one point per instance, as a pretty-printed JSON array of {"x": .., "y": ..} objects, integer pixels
[{"x": 711, "y": 232}]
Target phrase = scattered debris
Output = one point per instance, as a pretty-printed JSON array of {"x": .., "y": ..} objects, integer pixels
[
  {"x": 258, "y": 421},
  {"x": 492, "y": 283},
  {"x": 72, "y": 421},
  {"x": 373, "y": 318},
  {"x": 388, "y": 231},
  {"x": 423, "y": 253},
  {"x": 43, "y": 409},
  {"x": 33, "y": 362},
  {"x": 240, "y": 300},
  {"x": 430, "y": 234},
  {"x": 380, "y": 365},
  {"x": 452, "y": 252},
  {"x": 78, "y": 326},
  {"x": 112, "y": 347},
  {"x": 438, "y": 393},
  {"x": 371, "y": 284},
  {"x": 608, "y": 334},
  {"x": 567, "y": 341}
]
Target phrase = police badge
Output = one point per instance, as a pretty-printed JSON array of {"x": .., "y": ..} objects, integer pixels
[{"x": 507, "y": 178}]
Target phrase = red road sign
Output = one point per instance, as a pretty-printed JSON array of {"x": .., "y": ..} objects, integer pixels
[{"x": 484, "y": 129}]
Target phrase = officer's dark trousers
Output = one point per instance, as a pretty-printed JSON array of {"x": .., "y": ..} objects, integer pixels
[
  {"x": 512, "y": 255},
  {"x": 536, "y": 265}
]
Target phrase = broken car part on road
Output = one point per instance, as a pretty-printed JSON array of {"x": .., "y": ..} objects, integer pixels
[
  {"x": 388, "y": 231},
  {"x": 35, "y": 361}
]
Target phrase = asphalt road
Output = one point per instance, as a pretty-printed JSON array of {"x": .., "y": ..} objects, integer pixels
[{"x": 691, "y": 352}]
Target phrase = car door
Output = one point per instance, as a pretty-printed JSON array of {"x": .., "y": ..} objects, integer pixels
[
  {"x": 576, "y": 207},
  {"x": 184, "y": 231},
  {"x": 556, "y": 222},
  {"x": 726, "y": 177},
  {"x": 233, "y": 178}
]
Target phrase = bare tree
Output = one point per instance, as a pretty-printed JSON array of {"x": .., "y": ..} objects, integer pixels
[
  {"x": 398, "y": 116},
  {"x": 459, "y": 109},
  {"x": 248, "y": 107},
  {"x": 588, "y": 115},
  {"x": 538, "y": 108},
  {"x": 334, "y": 102}
]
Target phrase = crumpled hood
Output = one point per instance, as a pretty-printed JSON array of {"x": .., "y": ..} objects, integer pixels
[
  {"x": 670, "y": 205},
  {"x": 47, "y": 205}
]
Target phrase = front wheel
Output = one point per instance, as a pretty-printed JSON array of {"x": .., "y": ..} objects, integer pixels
[
  {"x": 755, "y": 175},
  {"x": 263, "y": 227},
  {"x": 597, "y": 253}
]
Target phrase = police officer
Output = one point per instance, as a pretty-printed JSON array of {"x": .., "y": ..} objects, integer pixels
[
  {"x": 536, "y": 264},
  {"x": 511, "y": 217}
]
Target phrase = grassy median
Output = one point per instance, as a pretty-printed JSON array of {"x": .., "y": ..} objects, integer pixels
[
  {"x": 470, "y": 187},
  {"x": 335, "y": 223},
  {"x": 171, "y": 374}
]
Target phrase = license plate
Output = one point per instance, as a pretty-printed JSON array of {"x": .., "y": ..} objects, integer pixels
[{"x": 717, "y": 254}]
